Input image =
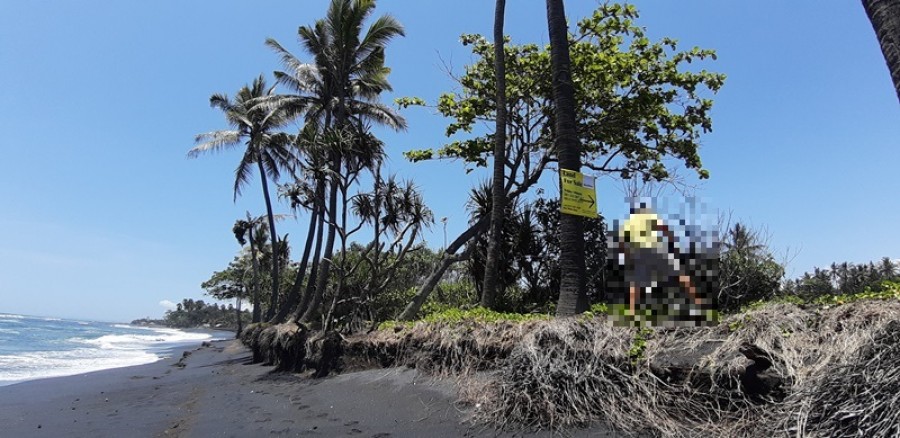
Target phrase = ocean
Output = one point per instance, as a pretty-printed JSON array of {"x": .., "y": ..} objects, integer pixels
[{"x": 33, "y": 347}]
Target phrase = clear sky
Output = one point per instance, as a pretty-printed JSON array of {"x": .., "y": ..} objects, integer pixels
[{"x": 103, "y": 216}]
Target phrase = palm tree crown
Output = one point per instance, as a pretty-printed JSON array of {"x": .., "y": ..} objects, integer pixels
[
  {"x": 256, "y": 127},
  {"x": 348, "y": 72}
]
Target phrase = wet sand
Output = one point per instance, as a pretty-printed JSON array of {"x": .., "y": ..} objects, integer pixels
[{"x": 213, "y": 392}]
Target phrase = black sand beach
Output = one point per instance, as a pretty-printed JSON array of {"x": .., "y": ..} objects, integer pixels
[{"x": 215, "y": 394}]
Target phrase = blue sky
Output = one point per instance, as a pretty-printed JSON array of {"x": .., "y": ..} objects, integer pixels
[{"x": 103, "y": 216}]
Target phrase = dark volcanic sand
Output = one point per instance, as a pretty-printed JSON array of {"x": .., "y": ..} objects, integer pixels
[{"x": 216, "y": 394}]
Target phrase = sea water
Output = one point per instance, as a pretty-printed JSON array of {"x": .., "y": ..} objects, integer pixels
[{"x": 34, "y": 347}]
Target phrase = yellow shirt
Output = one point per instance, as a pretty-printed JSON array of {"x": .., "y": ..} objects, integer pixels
[{"x": 638, "y": 230}]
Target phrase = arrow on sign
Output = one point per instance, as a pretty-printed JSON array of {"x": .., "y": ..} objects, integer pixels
[{"x": 592, "y": 200}]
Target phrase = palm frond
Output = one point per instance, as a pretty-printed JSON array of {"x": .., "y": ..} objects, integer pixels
[
  {"x": 214, "y": 141},
  {"x": 380, "y": 32},
  {"x": 380, "y": 113},
  {"x": 244, "y": 172}
]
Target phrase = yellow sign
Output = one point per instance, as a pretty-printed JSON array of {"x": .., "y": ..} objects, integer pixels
[{"x": 579, "y": 196}]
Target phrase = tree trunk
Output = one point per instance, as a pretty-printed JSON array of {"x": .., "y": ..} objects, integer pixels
[
  {"x": 317, "y": 252},
  {"x": 240, "y": 321},
  {"x": 885, "y": 18},
  {"x": 273, "y": 303},
  {"x": 572, "y": 291},
  {"x": 325, "y": 263},
  {"x": 447, "y": 259},
  {"x": 256, "y": 310},
  {"x": 342, "y": 269},
  {"x": 293, "y": 295},
  {"x": 498, "y": 190}
]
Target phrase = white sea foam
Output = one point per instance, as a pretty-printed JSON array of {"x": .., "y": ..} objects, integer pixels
[
  {"x": 94, "y": 354},
  {"x": 160, "y": 337},
  {"x": 42, "y": 364},
  {"x": 11, "y": 316}
]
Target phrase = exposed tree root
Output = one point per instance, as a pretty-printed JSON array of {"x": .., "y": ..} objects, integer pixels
[{"x": 776, "y": 371}]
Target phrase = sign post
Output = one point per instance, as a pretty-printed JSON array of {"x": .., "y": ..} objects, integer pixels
[{"x": 579, "y": 196}]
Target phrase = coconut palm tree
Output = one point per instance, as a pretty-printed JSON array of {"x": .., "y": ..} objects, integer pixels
[
  {"x": 338, "y": 88},
  {"x": 244, "y": 233},
  {"x": 256, "y": 127},
  {"x": 305, "y": 192},
  {"x": 885, "y": 18},
  {"x": 572, "y": 293},
  {"x": 498, "y": 191}
]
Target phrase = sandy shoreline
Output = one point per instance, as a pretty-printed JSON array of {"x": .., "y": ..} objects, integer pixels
[{"x": 216, "y": 394}]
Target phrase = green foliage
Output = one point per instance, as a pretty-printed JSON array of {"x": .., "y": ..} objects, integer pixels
[
  {"x": 529, "y": 257},
  {"x": 844, "y": 278},
  {"x": 448, "y": 295},
  {"x": 382, "y": 303},
  {"x": 748, "y": 271},
  {"x": 886, "y": 290},
  {"x": 595, "y": 310},
  {"x": 638, "y": 101},
  {"x": 639, "y": 344},
  {"x": 190, "y": 313},
  {"x": 781, "y": 299},
  {"x": 473, "y": 315}
]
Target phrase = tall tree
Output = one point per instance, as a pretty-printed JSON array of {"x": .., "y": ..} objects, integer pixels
[
  {"x": 572, "y": 293},
  {"x": 498, "y": 189},
  {"x": 244, "y": 233},
  {"x": 641, "y": 111},
  {"x": 341, "y": 89},
  {"x": 885, "y": 18},
  {"x": 306, "y": 192},
  {"x": 256, "y": 127}
]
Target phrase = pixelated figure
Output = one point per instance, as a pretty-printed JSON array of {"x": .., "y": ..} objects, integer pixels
[{"x": 656, "y": 272}]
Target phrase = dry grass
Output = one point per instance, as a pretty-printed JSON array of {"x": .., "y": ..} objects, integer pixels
[
  {"x": 779, "y": 370},
  {"x": 440, "y": 348},
  {"x": 696, "y": 382}
]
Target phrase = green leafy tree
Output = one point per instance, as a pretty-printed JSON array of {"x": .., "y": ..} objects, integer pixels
[
  {"x": 641, "y": 109},
  {"x": 748, "y": 271}
]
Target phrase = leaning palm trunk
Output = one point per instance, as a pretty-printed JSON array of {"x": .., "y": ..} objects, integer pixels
[
  {"x": 572, "y": 296},
  {"x": 448, "y": 258},
  {"x": 314, "y": 270},
  {"x": 273, "y": 303},
  {"x": 325, "y": 262},
  {"x": 293, "y": 296},
  {"x": 885, "y": 18},
  {"x": 498, "y": 192}
]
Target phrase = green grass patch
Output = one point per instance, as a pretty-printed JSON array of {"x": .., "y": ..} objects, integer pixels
[
  {"x": 477, "y": 314},
  {"x": 887, "y": 290},
  {"x": 639, "y": 344}
]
